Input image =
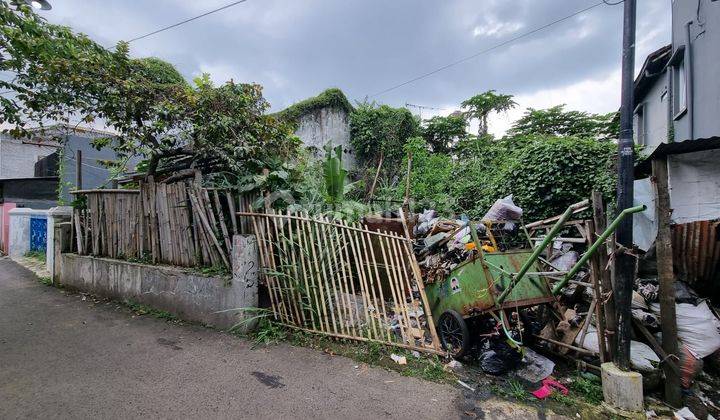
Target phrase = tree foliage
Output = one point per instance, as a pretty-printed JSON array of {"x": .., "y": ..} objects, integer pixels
[
  {"x": 481, "y": 105},
  {"x": 157, "y": 114},
  {"x": 545, "y": 174},
  {"x": 555, "y": 121},
  {"x": 443, "y": 133},
  {"x": 430, "y": 176},
  {"x": 377, "y": 131}
]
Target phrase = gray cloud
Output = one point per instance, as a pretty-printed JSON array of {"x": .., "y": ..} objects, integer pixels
[{"x": 298, "y": 48}]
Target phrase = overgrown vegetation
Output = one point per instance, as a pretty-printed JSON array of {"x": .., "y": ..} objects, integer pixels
[
  {"x": 141, "y": 309},
  {"x": 36, "y": 255},
  {"x": 330, "y": 98},
  {"x": 430, "y": 368}
]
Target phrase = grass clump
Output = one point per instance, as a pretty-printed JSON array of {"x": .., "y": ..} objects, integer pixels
[
  {"x": 141, "y": 309},
  {"x": 430, "y": 369},
  {"x": 213, "y": 271},
  {"x": 268, "y": 333},
  {"x": 587, "y": 387},
  {"x": 36, "y": 255},
  {"x": 47, "y": 281},
  {"x": 511, "y": 389}
]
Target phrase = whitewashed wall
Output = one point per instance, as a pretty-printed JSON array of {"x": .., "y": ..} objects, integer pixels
[{"x": 317, "y": 128}]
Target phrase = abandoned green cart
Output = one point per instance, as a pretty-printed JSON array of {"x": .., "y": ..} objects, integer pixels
[{"x": 490, "y": 283}]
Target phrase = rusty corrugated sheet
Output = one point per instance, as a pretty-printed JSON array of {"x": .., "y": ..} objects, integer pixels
[{"x": 696, "y": 252}]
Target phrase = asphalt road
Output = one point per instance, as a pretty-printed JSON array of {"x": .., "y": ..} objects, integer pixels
[{"x": 65, "y": 357}]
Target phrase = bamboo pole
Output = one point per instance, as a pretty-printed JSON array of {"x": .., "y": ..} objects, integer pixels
[
  {"x": 231, "y": 208},
  {"x": 301, "y": 249},
  {"x": 205, "y": 223},
  {"x": 221, "y": 218},
  {"x": 284, "y": 308},
  {"x": 264, "y": 263},
  {"x": 312, "y": 245},
  {"x": 419, "y": 283},
  {"x": 280, "y": 245},
  {"x": 341, "y": 277},
  {"x": 349, "y": 281},
  {"x": 325, "y": 278},
  {"x": 333, "y": 280},
  {"x": 368, "y": 244},
  {"x": 358, "y": 229},
  {"x": 399, "y": 289},
  {"x": 366, "y": 267},
  {"x": 359, "y": 269}
]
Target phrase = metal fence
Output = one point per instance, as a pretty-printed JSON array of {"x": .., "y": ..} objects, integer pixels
[{"x": 343, "y": 280}]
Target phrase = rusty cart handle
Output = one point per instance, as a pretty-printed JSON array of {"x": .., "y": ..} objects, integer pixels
[
  {"x": 536, "y": 253},
  {"x": 594, "y": 247}
]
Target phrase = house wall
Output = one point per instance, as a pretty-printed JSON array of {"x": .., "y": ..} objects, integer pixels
[
  {"x": 694, "y": 180},
  {"x": 654, "y": 130},
  {"x": 94, "y": 174},
  {"x": 319, "y": 127},
  {"x": 705, "y": 52},
  {"x": 18, "y": 156},
  {"x": 37, "y": 193}
]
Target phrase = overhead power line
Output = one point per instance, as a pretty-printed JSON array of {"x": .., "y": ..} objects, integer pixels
[
  {"x": 175, "y": 25},
  {"x": 487, "y": 50}
]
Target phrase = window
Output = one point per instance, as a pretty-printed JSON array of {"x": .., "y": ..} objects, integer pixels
[
  {"x": 679, "y": 89},
  {"x": 639, "y": 129}
]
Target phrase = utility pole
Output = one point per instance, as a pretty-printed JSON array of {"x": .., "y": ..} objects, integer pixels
[
  {"x": 624, "y": 262},
  {"x": 78, "y": 169}
]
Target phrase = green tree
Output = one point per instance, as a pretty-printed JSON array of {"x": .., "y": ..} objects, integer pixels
[
  {"x": 443, "y": 133},
  {"x": 555, "y": 121},
  {"x": 380, "y": 132},
  {"x": 430, "y": 178},
  {"x": 59, "y": 74},
  {"x": 481, "y": 105}
]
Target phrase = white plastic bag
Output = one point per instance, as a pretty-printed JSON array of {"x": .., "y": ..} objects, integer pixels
[
  {"x": 505, "y": 210},
  {"x": 642, "y": 356},
  {"x": 697, "y": 328}
]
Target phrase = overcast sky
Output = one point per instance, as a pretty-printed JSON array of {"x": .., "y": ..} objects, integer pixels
[{"x": 297, "y": 48}]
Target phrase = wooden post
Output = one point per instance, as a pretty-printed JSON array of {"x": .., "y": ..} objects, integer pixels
[
  {"x": 605, "y": 282},
  {"x": 407, "y": 181},
  {"x": 595, "y": 276},
  {"x": 78, "y": 169},
  {"x": 377, "y": 175},
  {"x": 664, "y": 255}
]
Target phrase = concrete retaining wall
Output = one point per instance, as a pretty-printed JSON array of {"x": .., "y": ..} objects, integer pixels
[{"x": 180, "y": 291}]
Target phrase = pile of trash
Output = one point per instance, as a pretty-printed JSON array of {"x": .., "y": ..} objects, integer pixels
[{"x": 441, "y": 244}]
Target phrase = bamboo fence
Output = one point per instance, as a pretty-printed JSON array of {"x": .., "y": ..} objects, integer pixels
[
  {"x": 333, "y": 278},
  {"x": 177, "y": 223}
]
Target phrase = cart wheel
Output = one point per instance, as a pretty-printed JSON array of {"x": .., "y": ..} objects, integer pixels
[{"x": 454, "y": 333}]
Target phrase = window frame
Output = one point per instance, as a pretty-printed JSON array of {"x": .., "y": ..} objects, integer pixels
[{"x": 676, "y": 61}]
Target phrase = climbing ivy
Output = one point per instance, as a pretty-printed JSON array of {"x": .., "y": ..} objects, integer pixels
[
  {"x": 330, "y": 98},
  {"x": 544, "y": 174}
]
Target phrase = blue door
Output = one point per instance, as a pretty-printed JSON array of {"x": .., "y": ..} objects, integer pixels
[{"x": 38, "y": 234}]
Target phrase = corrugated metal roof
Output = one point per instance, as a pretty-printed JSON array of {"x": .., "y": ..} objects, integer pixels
[{"x": 643, "y": 168}]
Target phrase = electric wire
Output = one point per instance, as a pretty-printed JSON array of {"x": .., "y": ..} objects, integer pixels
[
  {"x": 175, "y": 25},
  {"x": 494, "y": 47}
]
